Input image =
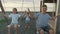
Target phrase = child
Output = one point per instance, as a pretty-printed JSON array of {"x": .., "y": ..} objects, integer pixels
[
  {"x": 42, "y": 19},
  {"x": 28, "y": 17},
  {"x": 14, "y": 16}
]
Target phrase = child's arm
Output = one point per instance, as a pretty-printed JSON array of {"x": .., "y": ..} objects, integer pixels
[
  {"x": 30, "y": 14},
  {"x": 53, "y": 18},
  {"x": 4, "y": 15},
  {"x": 24, "y": 15}
]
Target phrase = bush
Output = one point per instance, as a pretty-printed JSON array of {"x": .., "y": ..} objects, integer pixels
[{"x": 2, "y": 20}]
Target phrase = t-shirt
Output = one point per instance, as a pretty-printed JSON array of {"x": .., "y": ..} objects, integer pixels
[
  {"x": 14, "y": 17},
  {"x": 42, "y": 19},
  {"x": 27, "y": 18}
]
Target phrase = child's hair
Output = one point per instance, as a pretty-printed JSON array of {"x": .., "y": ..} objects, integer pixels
[
  {"x": 44, "y": 6},
  {"x": 15, "y": 9}
]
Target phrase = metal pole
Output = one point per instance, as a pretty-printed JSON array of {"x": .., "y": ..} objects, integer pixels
[
  {"x": 1, "y": 6},
  {"x": 58, "y": 18}
]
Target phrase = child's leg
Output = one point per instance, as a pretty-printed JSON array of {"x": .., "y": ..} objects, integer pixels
[
  {"x": 9, "y": 27},
  {"x": 16, "y": 27},
  {"x": 51, "y": 31},
  {"x": 41, "y": 31},
  {"x": 28, "y": 25},
  {"x": 25, "y": 25}
]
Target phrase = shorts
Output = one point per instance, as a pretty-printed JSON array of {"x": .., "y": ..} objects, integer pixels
[
  {"x": 45, "y": 28},
  {"x": 27, "y": 23},
  {"x": 13, "y": 24}
]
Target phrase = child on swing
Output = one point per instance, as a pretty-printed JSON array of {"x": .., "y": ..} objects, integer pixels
[
  {"x": 14, "y": 16},
  {"x": 28, "y": 17}
]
